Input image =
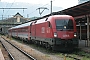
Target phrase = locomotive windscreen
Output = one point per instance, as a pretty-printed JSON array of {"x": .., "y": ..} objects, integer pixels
[{"x": 64, "y": 24}]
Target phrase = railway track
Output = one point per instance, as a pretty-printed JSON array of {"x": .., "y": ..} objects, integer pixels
[
  {"x": 14, "y": 52},
  {"x": 74, "y": 55}
]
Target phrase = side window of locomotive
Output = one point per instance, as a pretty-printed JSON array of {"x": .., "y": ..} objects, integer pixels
[{"x": 49, "y": 25}]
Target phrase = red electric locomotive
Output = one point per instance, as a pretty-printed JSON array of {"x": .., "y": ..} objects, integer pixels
[{"x": 57, "y": 32}]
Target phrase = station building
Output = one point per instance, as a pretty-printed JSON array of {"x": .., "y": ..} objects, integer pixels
[{"x": 5, "y": 24}]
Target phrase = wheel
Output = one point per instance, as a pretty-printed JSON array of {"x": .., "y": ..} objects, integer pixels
[{"x": 48, "y": 46}]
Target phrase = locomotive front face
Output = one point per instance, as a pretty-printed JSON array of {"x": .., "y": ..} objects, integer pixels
[
  {"x": 65, "y": 33},
  {"x": 64, "y": 29}
]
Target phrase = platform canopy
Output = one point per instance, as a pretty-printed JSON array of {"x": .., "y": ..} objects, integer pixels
[{"x": 78, "y": 10}]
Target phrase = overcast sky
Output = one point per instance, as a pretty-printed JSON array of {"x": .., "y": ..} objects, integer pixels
[
  {"x": 31, "y": 11},
  {"x": 58, "y": 3}
]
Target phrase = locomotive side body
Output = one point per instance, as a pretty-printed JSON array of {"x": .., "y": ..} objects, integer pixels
[{"x": 57, "y": 32}]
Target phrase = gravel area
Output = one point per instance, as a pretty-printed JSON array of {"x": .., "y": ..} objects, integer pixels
[
  {"x": 41, "y": 53},
  {"x": 35, "y": 53},
  {"x": 16, "y": 54}
]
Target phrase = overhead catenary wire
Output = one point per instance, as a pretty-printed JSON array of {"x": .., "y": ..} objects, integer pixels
[
  {"x": 41, "y": 6},
  {"x": 11, "y": 6},
  {"x": 35, "y": 9}
]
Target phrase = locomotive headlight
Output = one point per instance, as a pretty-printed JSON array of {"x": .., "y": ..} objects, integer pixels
[
  {"x": 75, "y": 34},
  {"x": 55, "y": 34}
]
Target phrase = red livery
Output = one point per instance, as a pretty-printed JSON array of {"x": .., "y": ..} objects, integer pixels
[{"x": 57, "y": 32}]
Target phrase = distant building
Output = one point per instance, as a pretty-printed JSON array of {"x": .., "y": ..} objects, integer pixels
[
  {"x": 5, "y": 24},
  {"x": 82, "y": 1}
]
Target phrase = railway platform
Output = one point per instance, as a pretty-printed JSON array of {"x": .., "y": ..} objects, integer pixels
[
  {"x": 1, "y": 56},
  {"x": 82, "y": 46}
]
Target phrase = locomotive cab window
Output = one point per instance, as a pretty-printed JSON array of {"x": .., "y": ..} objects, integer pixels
[{"x": 64, "y": 24}]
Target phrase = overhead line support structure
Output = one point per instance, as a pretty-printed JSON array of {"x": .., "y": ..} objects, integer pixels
[
  {"x": 13, "y": 8},
  {"x": 40, "y": 12}
]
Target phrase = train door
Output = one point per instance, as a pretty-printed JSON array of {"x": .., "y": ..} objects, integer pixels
[
  {"x": 33, "y": 31},
  {"x": 48, "y": 30},
  {"x": 30, "y": 30}
]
